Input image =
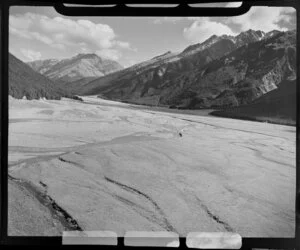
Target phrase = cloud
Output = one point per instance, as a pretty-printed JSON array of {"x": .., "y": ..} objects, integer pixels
[
  {"x": 203, "y": 28},
  {"x": 65, "y": 33},
  {"x": 124, "y": 45},
  {"x": 112, "y": 54},
  {"x": 96, "y": 35},
  {"x": 263, "y": 18},
  {"x": 31, "y": 55},
  {"x": 41, "y": 38}
]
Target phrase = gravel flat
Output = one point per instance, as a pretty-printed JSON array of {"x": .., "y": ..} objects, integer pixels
[{"x": 110, "y": 166}]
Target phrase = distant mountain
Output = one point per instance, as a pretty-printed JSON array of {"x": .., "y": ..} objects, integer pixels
[
  {"x": 82, "y": 67},
  {"x": 24, "y": 81},
  {"x": 221, "y": 71},
  {"x": 42, "y": 66}
]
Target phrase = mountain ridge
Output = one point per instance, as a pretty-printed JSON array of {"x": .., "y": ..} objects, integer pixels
[
  {"x": 75, "y": 68},
  {"x": 218, "y": 46}
]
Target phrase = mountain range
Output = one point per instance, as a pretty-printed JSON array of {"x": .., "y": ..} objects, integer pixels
[
  {"x": 223, "y": 71},
  {"x": 220, "y": 71}
]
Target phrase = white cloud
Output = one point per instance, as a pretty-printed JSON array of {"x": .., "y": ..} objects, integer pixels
[
  {"x": 31, "y": 55},
  {"x": 41, "y": 38},
  {"x": 124, "y": 45},
  {"x": 112, "y": 54},
  {"x": 203, "y": 28},
  {"x": 262, "y": 18},
  {"x": 21, "y": 23},
  {"x": 65, "y": 33}
]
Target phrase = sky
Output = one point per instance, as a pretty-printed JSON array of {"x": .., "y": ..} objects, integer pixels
[{"x": 38, "y": 33}]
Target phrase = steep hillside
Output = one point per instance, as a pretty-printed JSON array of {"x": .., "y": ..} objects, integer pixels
[
  {"x": 243, "y": 75},
  {"x": 24, "y": 81},
  {"x": 277, "y": 106}
]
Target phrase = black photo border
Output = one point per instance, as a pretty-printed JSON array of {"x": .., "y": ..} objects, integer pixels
[{"x": 121, "y": 9}]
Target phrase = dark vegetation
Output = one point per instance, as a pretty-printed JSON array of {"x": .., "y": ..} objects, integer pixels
[
  {"x": 24, "y": 81},
  {"x": 277, "y": 106}
]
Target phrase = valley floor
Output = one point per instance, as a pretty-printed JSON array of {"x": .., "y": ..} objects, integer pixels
[{"x": 103, "y": 165}]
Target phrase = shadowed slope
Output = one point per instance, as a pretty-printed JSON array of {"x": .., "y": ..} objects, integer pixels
[
  {"x": 277, "y": 106},
  {"x": 24, "y": 81}
]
